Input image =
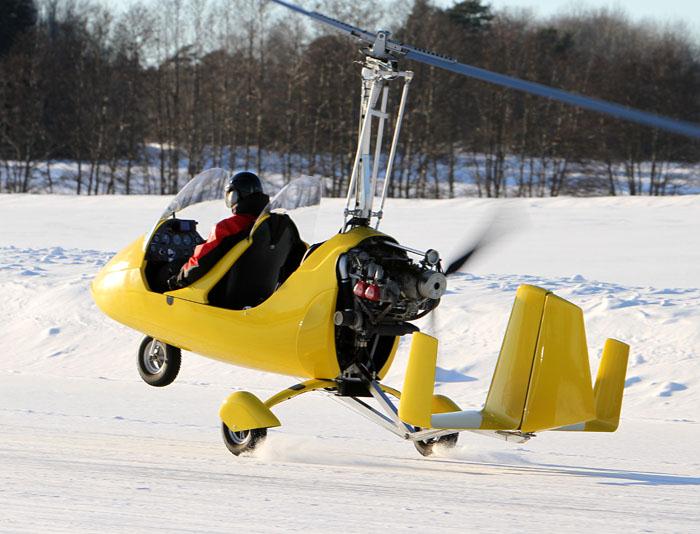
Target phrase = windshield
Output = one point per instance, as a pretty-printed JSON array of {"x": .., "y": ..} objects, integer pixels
[
  {"x": 303, "y": 192},
  {"x": 203, "y": 196},
  {"x": 300, "y": 199},
  {"x": 208, "y": 185}
]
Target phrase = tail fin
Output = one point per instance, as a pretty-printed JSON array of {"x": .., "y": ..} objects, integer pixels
[
  {"x": 609, "y": 386},
  {"x": 542, "y": 379},
  {"x": 508, "y": 393},
  {"x": 415, "y": 405}
]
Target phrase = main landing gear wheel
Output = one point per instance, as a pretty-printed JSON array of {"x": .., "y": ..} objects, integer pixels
[
  {"x": 159, "y": 363},
  {"x": 244, "y": 441},
  {"x": 426, "y": 447}
]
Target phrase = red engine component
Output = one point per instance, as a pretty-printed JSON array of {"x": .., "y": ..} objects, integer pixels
[
  {"x": 373, "y": 293},
  {"x": 359, "y": 289}
]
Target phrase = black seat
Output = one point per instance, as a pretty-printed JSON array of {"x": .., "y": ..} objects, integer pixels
[{"x": 275, "y": 253}]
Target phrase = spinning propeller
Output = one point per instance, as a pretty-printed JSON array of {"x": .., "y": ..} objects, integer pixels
[
  {"x": 493, "y": 231},
  {"x": 381, "y": 47}
]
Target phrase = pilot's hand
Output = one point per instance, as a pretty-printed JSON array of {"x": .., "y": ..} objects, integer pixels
[{"x": 172, "y": 283}]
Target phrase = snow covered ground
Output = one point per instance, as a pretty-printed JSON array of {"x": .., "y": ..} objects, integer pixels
[{"x": 86, "y": 446}]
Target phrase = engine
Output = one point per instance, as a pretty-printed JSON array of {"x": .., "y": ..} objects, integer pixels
[{"x": 381, "y": 289}]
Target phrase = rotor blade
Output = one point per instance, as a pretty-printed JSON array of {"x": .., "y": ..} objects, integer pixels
[
  {"x": 425, "y": 56},
  {"x": 608, "y": 108},
  {"x": 361, "y": 34}
]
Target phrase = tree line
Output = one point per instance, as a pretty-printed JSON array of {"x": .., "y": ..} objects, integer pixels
[{"x": 140, "y": 101}]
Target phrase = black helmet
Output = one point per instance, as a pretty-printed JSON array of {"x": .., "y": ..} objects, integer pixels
[{"x": 241, "y": 185}]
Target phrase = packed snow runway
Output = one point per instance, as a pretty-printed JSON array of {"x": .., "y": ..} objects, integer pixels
[{"x": 87, "y": 446}]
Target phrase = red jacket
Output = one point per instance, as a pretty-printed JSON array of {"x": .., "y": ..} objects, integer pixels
[{"x": 223, "y": 237}]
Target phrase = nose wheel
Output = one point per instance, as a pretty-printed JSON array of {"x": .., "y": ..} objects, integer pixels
[
  {"x": 243, "y": 441},
  {"x": 158, "y": 362}
]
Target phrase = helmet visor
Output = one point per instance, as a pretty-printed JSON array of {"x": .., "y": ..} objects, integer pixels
[{"x": 231, "y": 198}]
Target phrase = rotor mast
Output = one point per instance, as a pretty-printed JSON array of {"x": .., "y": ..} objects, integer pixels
[{"x": 379, "y": 68}]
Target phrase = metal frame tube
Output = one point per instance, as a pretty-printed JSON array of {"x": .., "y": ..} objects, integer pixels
[
  {"x": 394, "y": 143},
  {"x": 388, "y": 406},
  {"x": 352, "y": 189},
  {"x": 378, "y": 144},
  {"x": 365, "y": 173},
  {"x": 363, "y": 142},
  {"x": 390, "y": 418},
  {"x": 366, "y": 411}
]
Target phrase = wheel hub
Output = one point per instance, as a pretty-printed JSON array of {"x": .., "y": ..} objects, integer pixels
[
  {"x": 239, "y": 438},
  {"x": 154, "y": 358}
]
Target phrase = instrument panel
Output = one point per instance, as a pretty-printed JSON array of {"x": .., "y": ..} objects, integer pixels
[{"x": 175, "y": 239}]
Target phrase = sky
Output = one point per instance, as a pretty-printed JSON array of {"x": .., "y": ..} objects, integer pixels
[
  {"x": 672, "y": 11},
  {"x": 687, "y": 11}
]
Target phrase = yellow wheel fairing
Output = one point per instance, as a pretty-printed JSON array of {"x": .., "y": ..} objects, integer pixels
[{"x": 244, "y": 411}]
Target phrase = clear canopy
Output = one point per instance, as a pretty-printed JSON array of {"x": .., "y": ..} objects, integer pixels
[
  {"x": 208, "y": 185},
  {"x": 303, "y": 192},
  {"x": 300, "y": 199}
]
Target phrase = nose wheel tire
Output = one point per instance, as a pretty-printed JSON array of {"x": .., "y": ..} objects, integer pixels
[
  {"x": 426, "y": 448},
  {"x": 158, "y": 362},
  {"x": 244, "y": 441}
]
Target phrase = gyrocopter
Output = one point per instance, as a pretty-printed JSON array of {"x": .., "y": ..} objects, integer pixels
[{"x": 332, "y": 313}]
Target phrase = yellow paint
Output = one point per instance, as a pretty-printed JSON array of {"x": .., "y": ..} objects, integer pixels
[
  {"x": 560, "y": 391},
  {"x": 442, "y": 404},
  {"x": 291, "y": 333},
  {"x": 542, "y": 377},
  {"x": 417, "y": 397},
  {"x": 299, "y": 389},
  {"x": 244, "y": 411},
  {"x": 609, "y": 387},
  {"x": 391, "y": 391},
  {"x": 505, "y": 401}
]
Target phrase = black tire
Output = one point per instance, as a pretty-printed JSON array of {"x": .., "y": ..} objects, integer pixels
[
  {"x": 158, "y": 365},
  {"x": 245, "y": 441},
  {"x": 426, "y": 448}
]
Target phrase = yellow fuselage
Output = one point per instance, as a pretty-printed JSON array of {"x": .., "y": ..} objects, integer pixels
[{"x": 291, "y": 333}]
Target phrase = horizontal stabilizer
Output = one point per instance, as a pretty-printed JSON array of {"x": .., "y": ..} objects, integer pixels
[{"x": 542, "y": 379}]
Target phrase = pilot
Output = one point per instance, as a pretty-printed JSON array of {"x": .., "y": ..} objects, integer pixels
[{"x": 244, "y": 196}]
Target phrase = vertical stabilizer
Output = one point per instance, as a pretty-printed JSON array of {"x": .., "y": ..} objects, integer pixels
[
  {"x": 416, "y": 402},
  {"x": 560, "y": 391},
  {"x": 609, "y": 387},
  {"x": 505, "y": 402}
]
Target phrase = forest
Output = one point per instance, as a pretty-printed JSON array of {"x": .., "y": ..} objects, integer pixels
[{"x": 94, "y": 101}]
